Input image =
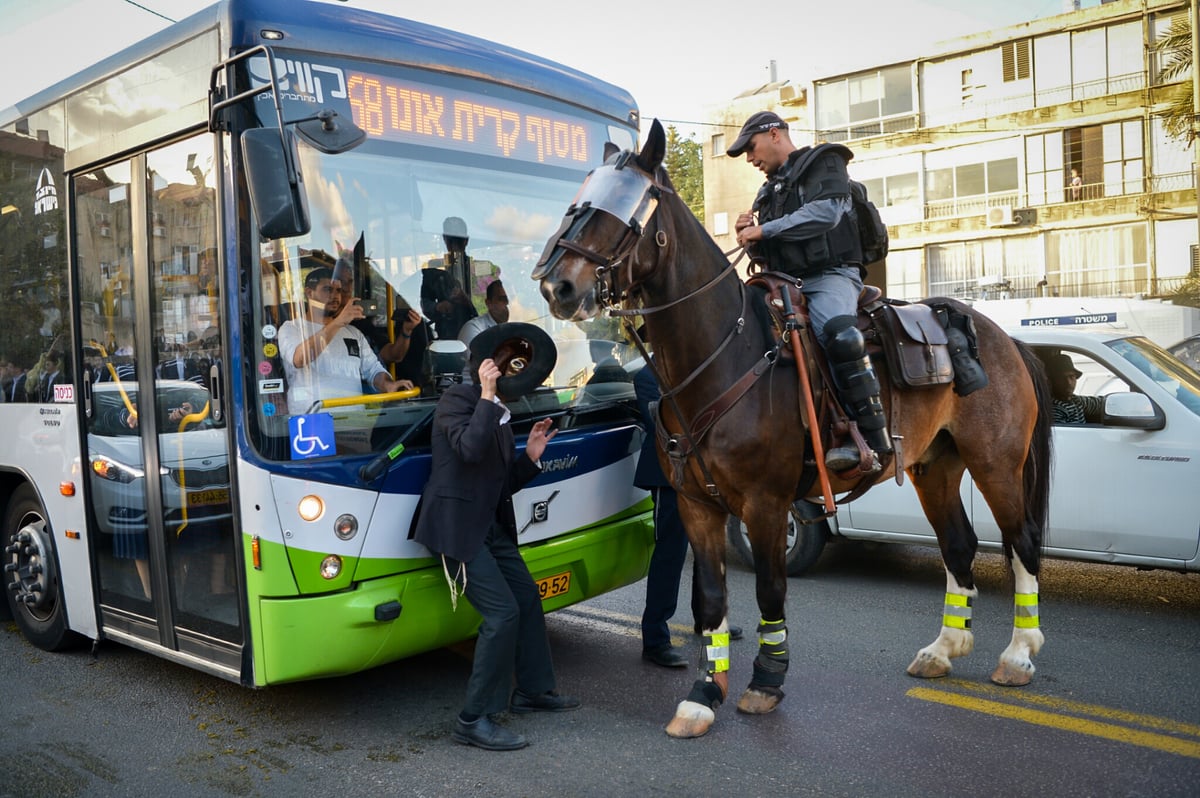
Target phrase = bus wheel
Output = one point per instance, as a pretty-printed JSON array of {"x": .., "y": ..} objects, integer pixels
[{"x": 30, "y": 574}]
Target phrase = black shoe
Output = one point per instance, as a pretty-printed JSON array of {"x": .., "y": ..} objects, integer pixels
[
  {"x": 483, "y": 733},
  {"x": 843, "y": 458},
  {"x": 548, "y": 701},
  {"x": 665, "y": 656}
]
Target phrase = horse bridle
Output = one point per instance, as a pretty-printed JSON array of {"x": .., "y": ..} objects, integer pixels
[{"x": 635, "y": 201}]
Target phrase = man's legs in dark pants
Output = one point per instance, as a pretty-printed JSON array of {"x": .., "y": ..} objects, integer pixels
[
  {"x": 666, "y": 567},
  {"x": 513, "y": 633}
]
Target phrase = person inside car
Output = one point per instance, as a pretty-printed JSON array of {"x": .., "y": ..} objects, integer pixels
[{"x": 1069, "y": 408}]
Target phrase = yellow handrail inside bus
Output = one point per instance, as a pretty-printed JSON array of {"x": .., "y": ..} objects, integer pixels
[
  {"x": 190, "y": 418},
  {"x": 364, "y": 399},
  {"x": 129, "y": 408}
]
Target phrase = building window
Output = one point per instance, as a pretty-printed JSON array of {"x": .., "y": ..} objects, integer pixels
[
  {"x": 718, "y": 145},
  {"x": 1100, "y": 261},
  {"x": 866, "y": 104},
  {"x": 1015, "y": 60}
]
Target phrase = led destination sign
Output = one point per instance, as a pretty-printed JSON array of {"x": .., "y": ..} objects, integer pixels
[
  {"x": 416, "y": 112},
  {"x": 421, "y": 115}
]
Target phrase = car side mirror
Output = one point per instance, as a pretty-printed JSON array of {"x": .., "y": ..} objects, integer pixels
[
  {"x": 1135, "y": 410},
  {"x": 279, "y": 203}
]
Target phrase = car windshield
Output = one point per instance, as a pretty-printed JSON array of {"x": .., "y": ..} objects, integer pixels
[{"x": 1168, "y": 371}]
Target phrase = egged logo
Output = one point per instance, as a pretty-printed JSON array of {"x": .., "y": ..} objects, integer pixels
[{"x": 300, "y": 80}]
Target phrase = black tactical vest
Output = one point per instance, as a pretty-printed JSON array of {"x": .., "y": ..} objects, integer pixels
[{"x": 809, "y": 174}]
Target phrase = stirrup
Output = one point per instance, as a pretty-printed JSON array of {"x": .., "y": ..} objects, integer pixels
[{"x": 841, "y": 458}]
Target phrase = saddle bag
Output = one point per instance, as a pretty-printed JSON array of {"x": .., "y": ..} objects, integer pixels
[{"x": 914, "y": 345}]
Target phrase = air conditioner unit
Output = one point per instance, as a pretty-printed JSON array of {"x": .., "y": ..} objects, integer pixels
[{"x": 1000, "y": 216}]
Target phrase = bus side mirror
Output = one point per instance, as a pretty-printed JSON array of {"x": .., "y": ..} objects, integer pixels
[{"x": 279, "y": 203}]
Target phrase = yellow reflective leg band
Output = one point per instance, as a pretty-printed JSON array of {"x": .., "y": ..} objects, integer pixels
[
  {"x": 1025, "y": 610},
  {"x": 956, "y": 613},
  {"x": 716, "y": 652},
  {"x": 772, "y": 638}
]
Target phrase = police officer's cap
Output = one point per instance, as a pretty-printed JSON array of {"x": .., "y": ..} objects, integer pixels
[{"x": 760, "y": 122}]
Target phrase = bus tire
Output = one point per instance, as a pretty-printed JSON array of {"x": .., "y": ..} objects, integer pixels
[
  {"x": 805, "y": 542},
  {"x": 32, "y": 588}
]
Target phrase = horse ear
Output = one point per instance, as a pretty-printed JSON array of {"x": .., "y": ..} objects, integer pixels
[
  {"x": 655, "y": 148},
  {"x": 610, "y": 150}
]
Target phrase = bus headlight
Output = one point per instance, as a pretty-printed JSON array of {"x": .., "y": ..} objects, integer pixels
[
  {"x": 345, "y": 527},
  {"x": 311, "y": 508},
  {"x": 331, "y": 567}
]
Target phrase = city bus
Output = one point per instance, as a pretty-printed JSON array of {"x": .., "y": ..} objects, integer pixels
[{"x": 166, "y": 481}]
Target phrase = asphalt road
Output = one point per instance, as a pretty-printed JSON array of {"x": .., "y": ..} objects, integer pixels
[{"x": 1113, "y": 710}]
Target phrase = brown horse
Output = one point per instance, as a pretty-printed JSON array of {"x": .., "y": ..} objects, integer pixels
[{"x": 629, "y": 240}]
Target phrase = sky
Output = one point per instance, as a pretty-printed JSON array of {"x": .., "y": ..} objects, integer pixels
[{"x": 678, "y": 58}]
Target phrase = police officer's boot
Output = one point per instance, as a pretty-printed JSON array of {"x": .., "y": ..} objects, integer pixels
[{"x": 859, "y": 389}]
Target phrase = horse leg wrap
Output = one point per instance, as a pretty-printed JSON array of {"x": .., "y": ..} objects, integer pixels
[
  {"x": 706, "y": 694},
  {"x": 956, "y": 612},
  {"x": 1025, "y": 610},
  {"x": 716, "y": 653},
  {"x": 771, "y": 664}
]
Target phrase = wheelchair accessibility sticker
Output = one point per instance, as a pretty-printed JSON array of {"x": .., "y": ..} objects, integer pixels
[{"x": 311, "y": 436}]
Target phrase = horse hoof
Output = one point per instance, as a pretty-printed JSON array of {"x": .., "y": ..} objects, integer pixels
[
  {"x": 1010, "y": 674},
  {"x": 927, "y": 666},
  {"x": 691, "y": 720},
  {"x": 758, "y": 701}
]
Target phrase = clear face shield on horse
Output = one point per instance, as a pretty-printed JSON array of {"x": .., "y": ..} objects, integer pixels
[{"x": 625, "y": 194}]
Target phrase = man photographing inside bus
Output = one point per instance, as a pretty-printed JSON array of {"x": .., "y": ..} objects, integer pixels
[{"x": 324, "y": 356}]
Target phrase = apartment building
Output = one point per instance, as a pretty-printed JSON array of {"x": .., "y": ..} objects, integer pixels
[{"x": 1021, "y": 162}]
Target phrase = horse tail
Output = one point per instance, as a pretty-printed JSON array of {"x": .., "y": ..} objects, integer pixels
[{"x": 1038, "y": 462}]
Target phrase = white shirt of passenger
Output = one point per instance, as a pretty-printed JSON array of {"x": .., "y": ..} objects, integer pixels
[{"x": 340, "y": 370}]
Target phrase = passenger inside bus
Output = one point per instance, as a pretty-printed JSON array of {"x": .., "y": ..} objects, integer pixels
[
  {"x": 324, "y": 355},
  {"x": 443, "y": 298}
]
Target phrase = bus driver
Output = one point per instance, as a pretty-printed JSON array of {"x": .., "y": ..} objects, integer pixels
[{"x": 324, "y": 356}]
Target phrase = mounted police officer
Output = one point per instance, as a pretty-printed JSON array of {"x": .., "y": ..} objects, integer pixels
[{"x": 806, "y": 227}]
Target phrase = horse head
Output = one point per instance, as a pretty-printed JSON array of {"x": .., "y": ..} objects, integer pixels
[{"x": 601, "y": 253}]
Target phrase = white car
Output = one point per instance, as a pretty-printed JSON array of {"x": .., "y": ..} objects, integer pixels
[
  {"x": 1125, "y": 491},
  {"x": 194, "y": 467}
]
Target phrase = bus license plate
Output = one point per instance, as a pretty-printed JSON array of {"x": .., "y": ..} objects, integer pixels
[
  {"x": 203, "y": 498},
  {"x": 552, "y": 586}
]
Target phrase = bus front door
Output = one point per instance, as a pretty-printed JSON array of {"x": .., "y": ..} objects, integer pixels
[{"x": 158, "y": 446}]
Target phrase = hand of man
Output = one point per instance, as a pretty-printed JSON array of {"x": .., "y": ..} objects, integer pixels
[
  {"x": 489, "y": 372},
  {"x": 388, "y": 385},
  {"x": 749, "y": 235},
  {"x": 351, "y": 311},
  {"x": 410, "y": 322},
  {"x": 744, "y": 220},
  {"x": 539, "y": 436}
]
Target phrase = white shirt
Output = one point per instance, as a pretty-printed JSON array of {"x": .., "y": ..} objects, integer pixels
[
  {"x": 340, "y": 370},
  {"x": 475, "y": 326}
]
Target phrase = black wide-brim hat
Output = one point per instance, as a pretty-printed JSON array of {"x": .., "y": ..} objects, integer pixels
[{"x": 524, "y": 353}]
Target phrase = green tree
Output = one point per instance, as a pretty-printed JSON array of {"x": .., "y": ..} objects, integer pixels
[
  {"x": 686, "y": 169},
  {"x": 1175, "y": 54}
]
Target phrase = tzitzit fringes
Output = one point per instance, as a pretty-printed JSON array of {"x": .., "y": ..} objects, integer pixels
[
  {"x": 1025, "y": 610},
  {"x": 716, "y": 652},
  {"x": 956, "y": 614}
]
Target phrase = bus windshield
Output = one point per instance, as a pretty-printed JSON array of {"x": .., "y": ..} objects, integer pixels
[{"x": 422, "y": 219}]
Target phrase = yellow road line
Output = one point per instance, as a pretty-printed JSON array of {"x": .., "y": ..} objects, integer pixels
[
  {"x": 1108, "y": 731},
  {"x": 1077, "y": 708}
]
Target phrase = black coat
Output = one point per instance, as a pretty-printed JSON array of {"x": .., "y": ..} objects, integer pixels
[
  {"x": 649, "y": 473},
  {"x": 476, "y": 471}
]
